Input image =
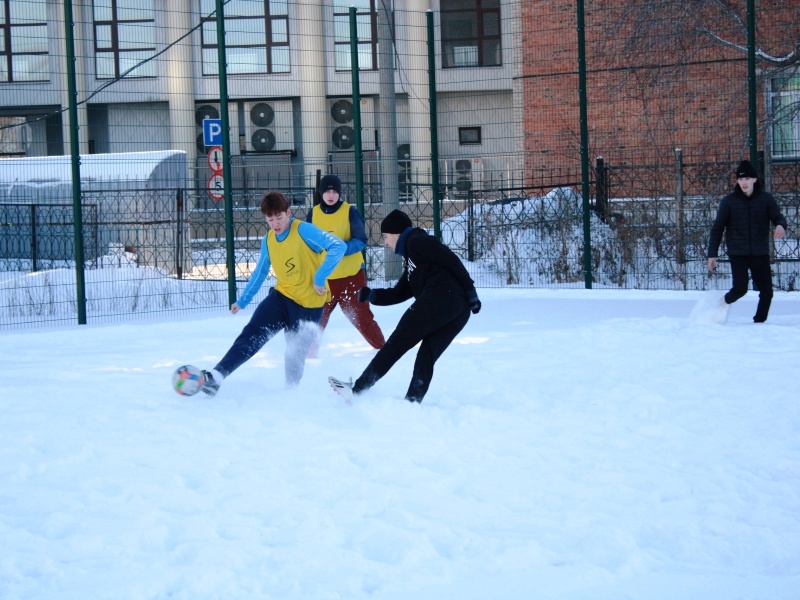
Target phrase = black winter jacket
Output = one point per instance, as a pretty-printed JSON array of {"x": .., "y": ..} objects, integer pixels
[
  {"x": 431, "y": 272},
  {"x": 745, "y": 222}
]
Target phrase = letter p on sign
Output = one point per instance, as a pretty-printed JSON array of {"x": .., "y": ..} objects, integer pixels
[{"x": 212, "y": 132}]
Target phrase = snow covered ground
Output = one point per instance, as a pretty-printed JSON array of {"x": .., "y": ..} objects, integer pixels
[{"x": 575, "y": 444}]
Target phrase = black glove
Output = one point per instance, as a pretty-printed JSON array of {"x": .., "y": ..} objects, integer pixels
[
  {"x": 364, "y": 294},
  {"x": 474, "y": 303}
]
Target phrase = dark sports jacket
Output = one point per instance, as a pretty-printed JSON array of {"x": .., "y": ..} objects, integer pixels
[
  {"x": 745, "y": 222},
  {"x": 431, "y": 272}
]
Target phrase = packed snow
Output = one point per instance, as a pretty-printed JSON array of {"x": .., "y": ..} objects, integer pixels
[{"x": 575, "y": 444}]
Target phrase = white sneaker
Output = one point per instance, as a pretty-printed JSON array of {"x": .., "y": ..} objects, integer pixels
[{"x": 343, "y": 388}]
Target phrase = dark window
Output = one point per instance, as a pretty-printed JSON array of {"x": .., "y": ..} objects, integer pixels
[
  {"x": 124, "y": 38},
  {"x": 471, "y": 33},
  {"x": 256, "y": 36},
  {"x": 23, "y": 40},
  {"x": 469, "y": 135},
  {"x": 366, "y": 33}
]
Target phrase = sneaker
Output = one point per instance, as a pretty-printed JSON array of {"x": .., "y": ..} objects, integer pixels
[
  {"x": 211, "y": 386},
  {"x": 343, "y": 388}
]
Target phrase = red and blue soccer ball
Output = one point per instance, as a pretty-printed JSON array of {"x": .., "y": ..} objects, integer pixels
[{"x": 188, "y": 380}]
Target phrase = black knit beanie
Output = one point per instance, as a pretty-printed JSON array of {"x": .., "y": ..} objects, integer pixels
[
  {"x": 396, "y": 222},
  {"x": 330, "y": 182},
  {"x": 745, "y": 169}
]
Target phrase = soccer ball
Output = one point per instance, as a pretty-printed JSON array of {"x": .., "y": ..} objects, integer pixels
[{"x": 188, "y": 380}]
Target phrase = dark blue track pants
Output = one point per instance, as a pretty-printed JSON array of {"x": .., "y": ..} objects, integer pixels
[{"x": 274, "y": 313}]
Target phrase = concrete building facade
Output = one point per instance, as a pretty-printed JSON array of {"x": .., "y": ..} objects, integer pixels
[{"x": 147, "y": 75}]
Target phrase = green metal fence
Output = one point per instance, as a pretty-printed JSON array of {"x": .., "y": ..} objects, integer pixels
[{"x": 569, "y": 145}]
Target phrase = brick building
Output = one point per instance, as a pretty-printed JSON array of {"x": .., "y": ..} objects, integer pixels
[{"x": 657, "y": 80}]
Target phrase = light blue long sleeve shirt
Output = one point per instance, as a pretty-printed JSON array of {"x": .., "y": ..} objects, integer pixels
[{"x": 316, "y": 239}]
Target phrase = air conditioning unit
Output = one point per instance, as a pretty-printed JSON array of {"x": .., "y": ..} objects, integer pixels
[
  {"x": 270, "y": 125},
  {"x": 342, "y": 133},
  {"x": 464, "y": 176},
  {"x": 209, "y": 110}
]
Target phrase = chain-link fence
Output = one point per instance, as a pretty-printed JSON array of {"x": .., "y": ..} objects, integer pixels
[{"x": 542, "y": 161}]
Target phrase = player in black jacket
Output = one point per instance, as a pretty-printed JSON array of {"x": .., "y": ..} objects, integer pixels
[
  {"x": 745, "y": 216},
  {"x": 444, "y": 295}
]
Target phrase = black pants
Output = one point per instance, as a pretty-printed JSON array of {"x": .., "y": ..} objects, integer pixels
[
  {"x": 758, "y": 267},
  {"x": 435, "y": 325}
]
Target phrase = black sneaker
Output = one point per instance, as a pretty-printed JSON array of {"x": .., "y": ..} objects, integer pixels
[{"x": 210, "y": 387}]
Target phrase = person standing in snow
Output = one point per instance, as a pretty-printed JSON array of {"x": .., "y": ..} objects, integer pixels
[
  {"x": 444, "y": 296},
  {"x": 744, "y": 216},
  {"x": 302, "y": 257},
  {"x": 341, "y": 219}
]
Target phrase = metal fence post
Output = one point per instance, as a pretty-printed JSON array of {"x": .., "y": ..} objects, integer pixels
[
  {"x": 752, "y": 83},
  {"x": 230, "y": 249},
  {"x": 34, "y": 266},
  {"x": 471, "y": 226},
  {"x": 435, "y": 199},
  {"x": 179, "y": 234},
  {"x": 680, "y": 242},
  {"x": 587, "y": 234},
  {"x": 77, "y": 215},
  {"x": 601, "y": 188}
]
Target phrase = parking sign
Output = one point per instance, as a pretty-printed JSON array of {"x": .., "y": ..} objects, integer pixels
[{"x": 212, "y": 132}]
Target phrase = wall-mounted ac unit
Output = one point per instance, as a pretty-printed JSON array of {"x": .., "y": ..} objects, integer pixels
[
  {"x": 210, "y": 110},
  {"x": 270, "y": 125},
  {"x": 342, "y": 132},
  {"x": 463, "y": 176}
]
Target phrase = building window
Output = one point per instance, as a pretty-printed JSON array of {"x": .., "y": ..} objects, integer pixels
[
  {"x": 786, "y": 117},
  {"x": 469, "y": 136},
  {"x": 471, "y": 33},
  {"x": 256, "y": 36},
  {"x": 14, "y": 136},
  {"x": 124, "y": 38},
  {"x": 366, "y": 33},
  {"x": 23, "y": 41}
]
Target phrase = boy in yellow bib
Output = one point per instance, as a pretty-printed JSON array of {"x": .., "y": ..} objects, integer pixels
[
  {"x": 342, "y": 219},
  {"x": 302, "y": 257}
]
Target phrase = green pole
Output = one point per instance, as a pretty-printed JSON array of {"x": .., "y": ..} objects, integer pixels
[
  {"x": 752, "y": 107},
  {"x": 437, "y": 217},
  {"x": 230, "y": 258},
  {"x": 356, "y": 112},
  {"x": 587, "y": 232},
  {"x": 75, "y": 153}
]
